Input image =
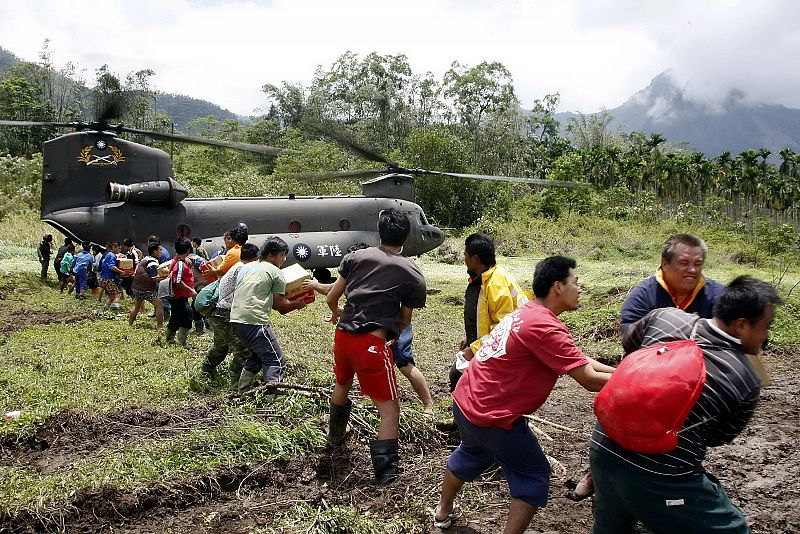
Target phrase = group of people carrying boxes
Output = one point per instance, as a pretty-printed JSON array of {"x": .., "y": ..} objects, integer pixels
[{"x": 514, "y": 349}]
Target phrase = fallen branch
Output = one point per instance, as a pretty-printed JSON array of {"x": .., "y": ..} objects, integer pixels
[
  {"x": 545, "y": 421},
  {"x": 539, "y": 432}
]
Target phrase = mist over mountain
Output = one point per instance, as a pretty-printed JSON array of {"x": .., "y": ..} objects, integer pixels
[{"x": 734, "y": 124}]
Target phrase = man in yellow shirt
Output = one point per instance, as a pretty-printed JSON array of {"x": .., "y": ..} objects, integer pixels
[{"x": 491, "y": 294}]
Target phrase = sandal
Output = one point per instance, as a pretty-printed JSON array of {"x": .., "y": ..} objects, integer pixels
[{"x": 447, "y": 521}]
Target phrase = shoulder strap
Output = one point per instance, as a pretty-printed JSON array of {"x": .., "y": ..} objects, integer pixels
[{"x": 694, "y": 329}]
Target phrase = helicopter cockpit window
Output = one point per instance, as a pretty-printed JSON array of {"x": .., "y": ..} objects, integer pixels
[
  {"x": 344, "y": 224},
  {"x": 294, "y": 226},
  {"x": 183, "y": 230}
]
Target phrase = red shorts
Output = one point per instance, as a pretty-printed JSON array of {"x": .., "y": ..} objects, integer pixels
[{"x": 369, "y": 358}]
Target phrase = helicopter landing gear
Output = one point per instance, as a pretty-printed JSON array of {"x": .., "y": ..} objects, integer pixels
[{"x": 323, "y": 276}]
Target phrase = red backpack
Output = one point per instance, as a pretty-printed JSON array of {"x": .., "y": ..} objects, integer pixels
[{"x": 645, "y": 403}]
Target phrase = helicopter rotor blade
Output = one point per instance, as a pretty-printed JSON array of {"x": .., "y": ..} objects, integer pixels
[
  {"x": 346, "y": 140},
  {"x": 39, "y": 123},
  {"x": 494, "y": 177},
  {"x": 247, "y": 147},
  {"x": 338, "y": 174}
]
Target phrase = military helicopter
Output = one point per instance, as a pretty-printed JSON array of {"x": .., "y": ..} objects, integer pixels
[{"x": 99, "y": 187}]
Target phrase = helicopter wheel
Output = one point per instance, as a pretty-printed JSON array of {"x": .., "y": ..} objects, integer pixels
[{"x": 323, "y": 275}]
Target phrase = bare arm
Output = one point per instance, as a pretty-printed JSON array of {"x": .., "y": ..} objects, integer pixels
[
  {"x": 317, "y": 286},
  {"x": 600, "y": 367},
  {"x": 590, "y": 379},
  {"x": 405, "y": 317},
  {"x": 333, "y": 297},
  {"x": 283, "y": 305}
]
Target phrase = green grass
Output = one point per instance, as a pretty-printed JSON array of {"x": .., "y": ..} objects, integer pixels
[{"x": 238, "y": 439}]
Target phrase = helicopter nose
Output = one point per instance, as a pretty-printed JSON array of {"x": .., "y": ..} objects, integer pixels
[{"x": 433, "y": 235}]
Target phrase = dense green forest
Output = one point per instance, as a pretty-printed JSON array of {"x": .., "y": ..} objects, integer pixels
[{"x": 469, "y": 121}]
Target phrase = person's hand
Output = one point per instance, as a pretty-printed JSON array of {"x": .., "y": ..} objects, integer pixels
[
  {"x": 192, "y": 292},
  {"x": 333, "y": 318},
  {"x": 462, "y": 344},
  {"x": 310, "y": 283},
  {"x": 300, "y": 304},
  {"x": 467, "y": 353}
]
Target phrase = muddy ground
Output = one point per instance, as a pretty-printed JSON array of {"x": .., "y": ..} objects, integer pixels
[{"x": 760, "y": 471}]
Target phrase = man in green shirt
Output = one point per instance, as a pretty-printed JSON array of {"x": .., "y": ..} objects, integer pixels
[{"x": 260, "y": 288}]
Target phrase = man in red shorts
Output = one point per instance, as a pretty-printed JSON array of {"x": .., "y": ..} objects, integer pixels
[
  {"x": 382, "y": 288},
  {"x": 512, "y": 375}
]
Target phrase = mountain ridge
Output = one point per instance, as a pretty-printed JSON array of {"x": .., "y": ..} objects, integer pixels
[{"x": 732, "y": 124}]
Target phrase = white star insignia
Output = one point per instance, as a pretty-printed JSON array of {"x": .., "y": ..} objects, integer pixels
[
  {"x": 101, "y": 144},
  {"x": 302, "y": 252}
]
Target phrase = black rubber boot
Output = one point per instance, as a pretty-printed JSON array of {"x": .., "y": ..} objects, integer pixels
[
  {"x": 337, "y": 425},
  {"x": 384, "y": 460}
]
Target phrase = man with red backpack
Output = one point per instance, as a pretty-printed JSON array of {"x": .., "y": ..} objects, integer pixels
[{"x": 671, "y": 492}]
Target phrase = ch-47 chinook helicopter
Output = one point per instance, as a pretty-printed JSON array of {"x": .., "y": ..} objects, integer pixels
[{"x": 99, "y": 187}]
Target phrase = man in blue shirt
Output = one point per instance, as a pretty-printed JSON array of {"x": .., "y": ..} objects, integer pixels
[{"x": 83, "y": 263}]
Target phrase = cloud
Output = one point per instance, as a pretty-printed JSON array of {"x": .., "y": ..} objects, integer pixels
[{"x": 594, "y": 53}]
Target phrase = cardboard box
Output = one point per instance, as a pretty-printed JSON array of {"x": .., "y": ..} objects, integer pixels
[
  {"x": 216, "y": 261},
  {"x": 163, "y": 269},
  {"x": 294, "y": 276},
  {"x": 125, "y": 264}
]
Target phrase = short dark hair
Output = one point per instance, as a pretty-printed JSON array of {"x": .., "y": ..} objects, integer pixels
[
  {"x": 97, "y": 248},
  {"x": 549, "y": 271},
  {"x": 197, "y": 241},
  {"x": 71, "y": 247},
  {"x": 67, "y": 240},
  {"x": 249, "y": 252},
  {"x": 273, "y": 245},
  {"x": 128, "y": 242},
  {"x": 745, "y": 297},
  {"x": 182, "y": 245},
  {"x": 393, "y": 227},
  {"x": 153, "y": 239},
  {"x": 152, "y": 247},
  {"x": 112, "y": 244},
  {"x": 357, "y": 246},
  {"x": 86, "y": 245},
  {"x": 668, "y": 250},
  {"x": 481, "y": 245},
  {"x": 239, "y": 234}
]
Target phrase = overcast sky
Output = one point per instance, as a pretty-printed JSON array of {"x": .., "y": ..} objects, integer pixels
[{"x": 595, "y": 53}]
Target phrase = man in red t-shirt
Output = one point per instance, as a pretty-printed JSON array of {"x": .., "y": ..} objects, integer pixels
[{"x": 512, "y": 375}]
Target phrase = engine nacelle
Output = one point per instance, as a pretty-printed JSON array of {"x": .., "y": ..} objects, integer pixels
[{"x": 165, "y": 192}]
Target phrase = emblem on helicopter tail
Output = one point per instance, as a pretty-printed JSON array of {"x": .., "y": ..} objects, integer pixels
[
  {"x": 301, "y": 252},
  {"x": 86, "y": 156}
]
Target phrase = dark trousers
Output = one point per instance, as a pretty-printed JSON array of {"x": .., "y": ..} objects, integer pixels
[
  {"x": 180, "y": 317},
  {"x": 45, "y": 265},
  {"x": 266, "y": 352},
  {"x": 623, "y": 495}
]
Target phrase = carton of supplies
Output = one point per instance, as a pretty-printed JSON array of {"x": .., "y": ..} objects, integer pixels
[
  {"x": 163, "y": 269},
  {"x": 294, "y": 276},
  {"x": 216, "y": 261},
  {"x": 126, "y": 264}
]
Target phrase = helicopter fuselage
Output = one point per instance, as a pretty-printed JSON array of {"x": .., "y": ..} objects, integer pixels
[
  {"x": 100, "y": 188},
  {"x": 318, "y": 230}
]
